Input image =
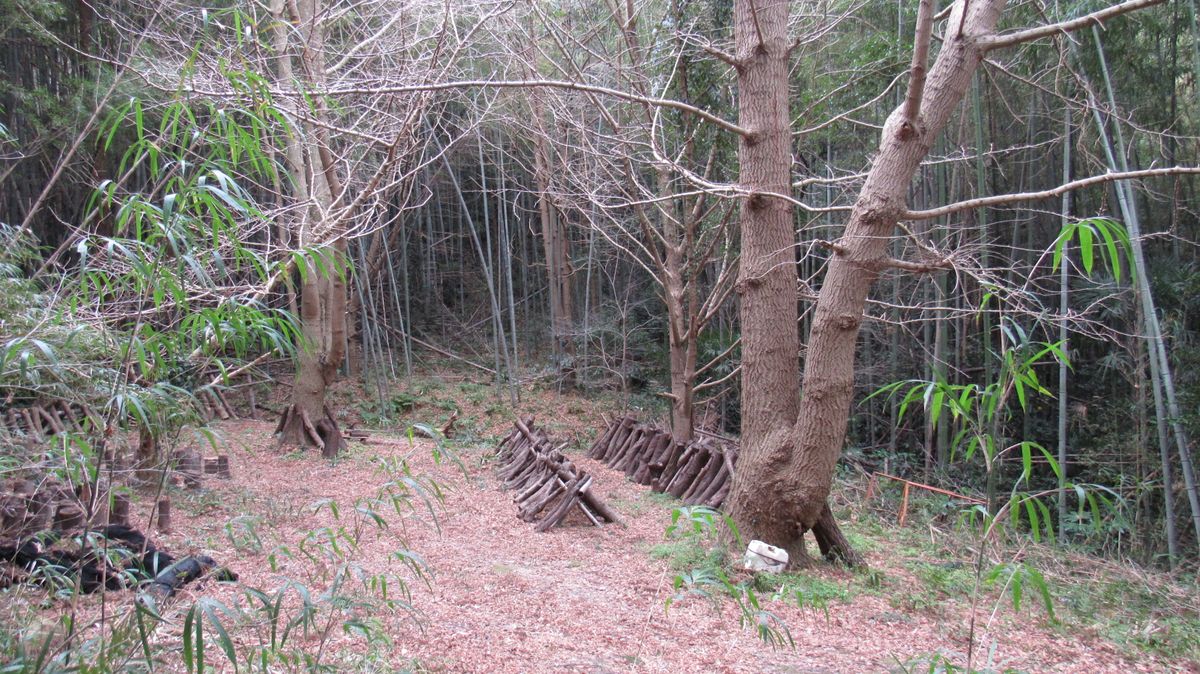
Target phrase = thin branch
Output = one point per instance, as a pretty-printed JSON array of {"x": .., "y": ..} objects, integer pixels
[
  {"x": 718, "y": 358},
  {"x": 845, "y": 113},
  {"x": 723, "y": 56},
  {"x": 762, "y": 44},
  {"x": 233, "y": 374},
  {"x": 516, "y": 84},
  {"x": 709, "y": 384},
  {"x": 884, "y": 262},
  {"x": 980, "y": 202},
  {"x": 1097, "y": 17},
  {"x": 916, "y": 83}
]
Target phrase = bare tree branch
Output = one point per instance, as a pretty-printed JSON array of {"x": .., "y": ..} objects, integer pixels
[
  {"x": 517, "y": 84},
  {"x": 1046, "y": 194},
  {"x": 1097, "y": 17},
  {"x": 916, "y": 83}
]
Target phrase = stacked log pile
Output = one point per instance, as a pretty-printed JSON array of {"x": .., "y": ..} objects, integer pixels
[
  {"x": 548, "y": 486},
  {"x": 213, "y": 405},
  {"x": 699, "y": 473},
  {"x": 40, "y": 421}
]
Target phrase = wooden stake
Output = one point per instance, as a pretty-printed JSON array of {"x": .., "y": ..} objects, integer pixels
[
  {"x": 164, "y": 515},
  {"x": 120, "y": 509}
]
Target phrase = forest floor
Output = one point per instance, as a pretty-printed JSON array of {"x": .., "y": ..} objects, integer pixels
[{"x": 502, "y": 598}]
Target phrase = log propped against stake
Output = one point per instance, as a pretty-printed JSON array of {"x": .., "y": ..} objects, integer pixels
[
  {"x": 549, "y": 487},
  {"x": 699, "y": 473},
  {"x": 42, "y": 420}
]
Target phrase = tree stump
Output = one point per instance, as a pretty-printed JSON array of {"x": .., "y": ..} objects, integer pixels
[
  {"x": 164, "y": 515},
  {"x": 191, "y": 470},
  {"x": 68, "y": 517},
  {"x": 119, "y": 514}
]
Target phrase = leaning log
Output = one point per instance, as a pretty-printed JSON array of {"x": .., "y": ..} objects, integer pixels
[{"x": 548, "y": 485}]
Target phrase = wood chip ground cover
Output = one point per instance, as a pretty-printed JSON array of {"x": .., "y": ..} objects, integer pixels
[{"x": 576, "y": 599}]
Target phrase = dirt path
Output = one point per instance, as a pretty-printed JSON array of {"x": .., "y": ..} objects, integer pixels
[{"x": 580, "y": 599}]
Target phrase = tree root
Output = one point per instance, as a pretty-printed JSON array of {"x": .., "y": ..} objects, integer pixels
[
  {"x": 297, "y": 428},
  {"x": 833, "y": 543}
]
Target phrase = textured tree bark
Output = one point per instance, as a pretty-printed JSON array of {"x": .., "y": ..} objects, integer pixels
[
  {"x": 147, "y": 449},
  {"x": 829, "y": 371},
  {"x": 683, "y": 376},
  {"x": 767, "y": 280},
  {"x": 786, "y": 469},
  {"x": 681, "y": 338},
  {"x": 309, "y": 422},
  {"x": 558, "y": 258}
]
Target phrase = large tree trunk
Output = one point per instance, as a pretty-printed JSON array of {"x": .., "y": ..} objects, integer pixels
[
  {"x": 767, "y": 280},
  {"x": 786, "y": 470},
  {"x": 309, "y": 421},
  {"x": 862, "y": 254}
]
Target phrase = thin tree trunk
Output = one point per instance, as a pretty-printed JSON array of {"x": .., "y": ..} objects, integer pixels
[
  {"x": 1063, "y": 335},
  {"x": 558, "y": 264},
  {"x": 506, "y": 238},
  {"x": 1157, "y": 348}
]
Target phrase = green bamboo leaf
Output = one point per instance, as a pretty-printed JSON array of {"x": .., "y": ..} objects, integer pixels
[
  {"x": 223, "y": 640},
  {"x": 193, "y": 640},
  {"x": 1086, "y": 252},
  {"x": 938, "y": 398},
  {"x": 1034, "y": 521},
  {"x": 1109, "y": 232},
  {"x": 1016, "y": 591},
  {"x": 1060, "y": 244},
  {"x": 1039, "y": 582}
]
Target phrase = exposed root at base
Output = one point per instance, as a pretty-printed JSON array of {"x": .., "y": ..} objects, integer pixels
[{"x": 297, "y": 428}]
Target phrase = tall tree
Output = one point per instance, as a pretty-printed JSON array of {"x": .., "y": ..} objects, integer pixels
[
  {"x": 786, "y": 470},
  {"x": 309, "y": 421}
]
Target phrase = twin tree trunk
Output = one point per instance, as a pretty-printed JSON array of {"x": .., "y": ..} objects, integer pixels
[
  {"x": 790, "y": 449},
  {"x": 309, "y": 421}
]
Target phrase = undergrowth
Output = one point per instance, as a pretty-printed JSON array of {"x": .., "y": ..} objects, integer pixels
[
  {"x": 921, "y": 568},
  {"x": 1141, "y": 612},
  {"x": 324, "y": 593}
]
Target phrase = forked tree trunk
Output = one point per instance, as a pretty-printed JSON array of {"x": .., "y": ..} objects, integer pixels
[
  {"x": 786, "y": 470},
  {"x": 309, "y": 421}
]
